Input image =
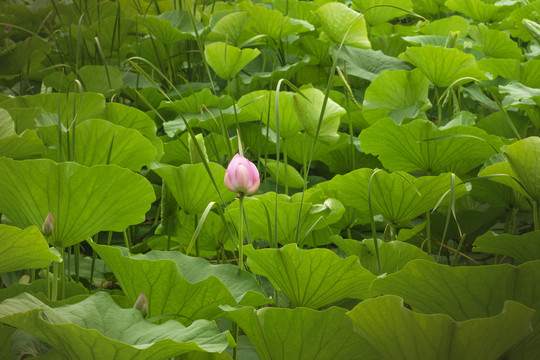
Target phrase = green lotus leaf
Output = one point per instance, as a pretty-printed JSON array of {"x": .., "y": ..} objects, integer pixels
[
  {"x": 24, "y": 56},
  {"x": 231, "y": 28},
  {"x": 397, "y": 94},
  {"x": 23, "y": 249},
  {"x": 494, "y": 43},
  {"x": 525, "y": 73},
  {"x": 309, "y": 110},
  {"x": 368, "y": 64},
  {"x": 428, "y": 7},
  {"x": 258, "y": 69},
  {"x": 389, "y": 192},
  {"x": 27, "y": 145},
  {"x": 40, "y": 288},
  {"x": 523, "y": 248},
  {"x": 516, "y": 21},
  {"x": 7, "y": 126},
  {"x": 311, "y": 278},
  {"x": 299, "y": 147},
  {"x": 393, "y": 254},
  {"x": 302, "y": 10},
  {"x": 82, "y": 200},
  {"x": 171, "y": 27},
  {"x": 227, "y": 60},
  {"x": 339, "y": 21},
  {"x": 524, "y": 158},
  {"x": 192, "y": 186},
  {"x": 289, "y": 176},
  {"x": 133, "y": 118},
  {"x": 402, "y": 148},
  {"x": 175, "y": 284},
  {"x": 273, "y": 23},
  {"x": 381, "y": 13},
  {"x": 301, "y": 333},
  {"x": 445, "y": 25},
  {"x": 510, "y": 180},
  {"x": 520, "y": 94},
  {"x": 485, "y": 11},
  {"x": 399, "y": 333},
  {"x": 468, "y": 292},
  {"x": 74, "y": 330},
  {"x": 260, "y": 212},
  {"x": 443, "y": 66},
  {"x": 100, "y": 79},
  {"x": 261, "y": 105},
  {"x": 5, "y": 346},
  {"x": 88, "y": 105},
  {"x": 101, "y": 142},
  {"x": 497, "y": 124}
]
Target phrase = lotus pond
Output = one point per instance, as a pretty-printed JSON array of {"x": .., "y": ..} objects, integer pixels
[{"x": 269, "y": 179}]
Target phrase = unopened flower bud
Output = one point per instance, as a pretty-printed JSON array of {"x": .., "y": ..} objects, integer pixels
[
  {"x": 48, "y": 225},
  {"x": 141, "y": 304},
  {"x": 242, "y": 175}
]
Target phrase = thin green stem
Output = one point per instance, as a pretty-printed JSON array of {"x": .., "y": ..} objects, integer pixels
[
  {"x": 241, "y": 231},
  {"x": 285, "y": 161},
  {"x": 54, "y": 294}
]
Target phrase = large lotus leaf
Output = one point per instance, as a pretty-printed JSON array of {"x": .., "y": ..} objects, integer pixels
[
  {"x": 340, "y": 22},
  {"x": 24, "y": 146},
  {"x": 524, "y": 158},
  {"x": 523, "y": 248},
  {"x": 396, "y": 94},
  {"x": 101, "y": 142},
  {"x": 273, "y": 23},
  {"x": 299, "y": 147},
  {"x": 23, "y": 249},
  {"x": 402, "y": 148},
  {"x": 258, "y": 70},
  {"x": 368, "y": 64},
  {"x": 101, "y": 79},
  {"x": 74, "y": 330},
  {"x": 39, "y": 288},
  {"x": 261, "y": 105},
  {"x": 231, "y": 28},
  {"x": 260, "y": 212},
  {"x": 311, "y": 278},
  {"x": 398, "y": 196},
  {"x": 516, "y": 25},
  {"x": 82, "y": 200},
  {"x": 227, "y": 60},
  {"x": 87, "y": 106},
  {"x": 133, "y": 118},
  {"x": 519, "y": 194},
  {"x": 399, "y": 333},
  {"x": 192, "y": 186},
  {"x": 393, "y": 254},
  {"x": 301, "y": 333},
  {"x": 302, "y": 10},
  {"x": 376, "y": 12},
  {"x": 287, "y": 175},
  {"x": 169, "y": 292},
  {"x": 5, "y": 346},
  {"x": 171, "y": 26},
  {"x": 309, "y": 111},
  {"x": 513, "y": 69},
  {"x": 468, "y": 292},
  {"x": 443, "y": 66},
  {"x": 494, "y": 43},
  {"x": 445, "y": 25},
  {"x": 484, "y": 11}
]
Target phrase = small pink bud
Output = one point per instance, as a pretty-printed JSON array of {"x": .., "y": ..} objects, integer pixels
[
  {"x": 48, "y": 225},
  {"x": 141, "y": 304},
  {"x": 242, "y": 175}
]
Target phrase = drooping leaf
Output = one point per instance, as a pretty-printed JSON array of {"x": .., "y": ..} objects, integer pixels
[
  {"x": 523, "y": 248},
  {"x": 340, "y": 22},
  {"x": 399, "y": 333},
  {"x": 192, "y": 186},
  {"x": 397, "y": 94},
  {"x": 23, "y": 249},
  {"x": 173, "y": 287},
  {"x": 368, "y": 64},
  {"x": 468, "y": 292},
  {"x": 390, "y": 193},
  {"x": 443, "y": 66},
  {"x": 402, "y": 147},
  {"x": 311, "y": 278},
  {"x": 82, "y": 200},
  {"x": 74, "y": 330},
  {"x": 301, "y": 333},
  {"x": 393, "y": 255},
  {"x": 227, "y": 60}
]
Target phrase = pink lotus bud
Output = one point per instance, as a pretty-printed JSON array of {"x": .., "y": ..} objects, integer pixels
[
  {"x": 242, "y": 175},
  {"x": 141, "y": 304},
  {"x": 48, "y": 225}
]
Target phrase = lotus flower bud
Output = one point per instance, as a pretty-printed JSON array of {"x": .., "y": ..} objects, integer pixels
[
  {"x": 141, "y": 304},
  {"x": 242, "y": 175},
  {"x": 48, "y": 225}
]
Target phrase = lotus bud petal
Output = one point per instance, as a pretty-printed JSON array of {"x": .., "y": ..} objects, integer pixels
[
  {"x": 242, "y": 175},
  {"x": 48, "y": 225},
  {"x": 141, "y": 304}
]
